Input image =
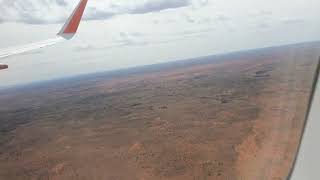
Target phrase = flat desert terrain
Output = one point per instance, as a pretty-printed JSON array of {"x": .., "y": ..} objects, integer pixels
[{"x": 237, "y": 116}]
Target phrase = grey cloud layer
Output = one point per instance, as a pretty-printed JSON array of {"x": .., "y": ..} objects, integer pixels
[
  {"x": 52, "y": 11},
  {"x": 158, "y": 5}
]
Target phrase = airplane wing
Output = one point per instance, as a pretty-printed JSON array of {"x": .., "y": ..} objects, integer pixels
[{"x": 67, "y": 32}]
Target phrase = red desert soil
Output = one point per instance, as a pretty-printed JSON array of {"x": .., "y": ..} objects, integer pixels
[{"x": 236, "y": 117}]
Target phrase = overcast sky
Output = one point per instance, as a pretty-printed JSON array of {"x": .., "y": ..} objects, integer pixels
[{"x": 125, "y": 33}]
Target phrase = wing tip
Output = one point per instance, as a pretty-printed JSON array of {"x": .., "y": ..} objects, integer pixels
[{"x": 70, "y": 28}]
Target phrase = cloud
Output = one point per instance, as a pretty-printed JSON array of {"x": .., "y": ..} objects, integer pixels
[
  {"x": 263, "y": 25},
  {"x": 189, "y": 18},
  {"x": 158, "y": 5},
  {"x": 61, "y": 2},
  {"x": 199, "y": 3},
  {"x": 32, "y": 11},
  {"x": 292, "y": 21},
  {"x": 53, "y": 11},
  {"x": 96, "y": 14},
  {"x": 261, "y": 13},
  {"x": 84, "y": 47},
  {"x": 131, "y": 38},
  {"x": 222, "y": 17}
]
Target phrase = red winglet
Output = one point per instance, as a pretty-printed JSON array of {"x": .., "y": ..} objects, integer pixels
[{"x": 72, "y": 24}]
